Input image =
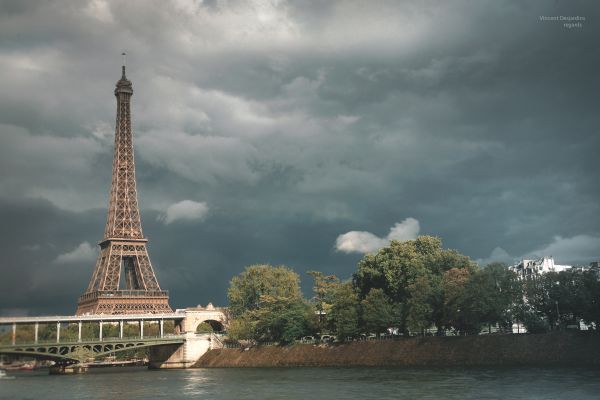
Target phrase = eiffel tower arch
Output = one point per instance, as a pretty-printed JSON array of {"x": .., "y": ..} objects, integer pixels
[{"x": 123, "y": 281}]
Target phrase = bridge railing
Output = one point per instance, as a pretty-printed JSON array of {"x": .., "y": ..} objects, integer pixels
[{"x": 95, "y": 340}]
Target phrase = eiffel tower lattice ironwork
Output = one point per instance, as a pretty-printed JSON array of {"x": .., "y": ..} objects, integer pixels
[{"x": 123, "y": 281}]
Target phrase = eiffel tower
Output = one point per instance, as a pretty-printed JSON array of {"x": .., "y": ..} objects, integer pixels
[{"x": 123, "y": 281}]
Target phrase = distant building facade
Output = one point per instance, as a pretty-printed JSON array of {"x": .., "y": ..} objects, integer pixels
[{"x": 526, "y": 268}]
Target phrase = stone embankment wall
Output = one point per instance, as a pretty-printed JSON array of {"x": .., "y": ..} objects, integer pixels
[{"x": 555, "y": 349}]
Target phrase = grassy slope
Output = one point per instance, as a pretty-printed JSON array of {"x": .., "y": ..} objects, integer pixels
[{"x": 560, "y": 349}]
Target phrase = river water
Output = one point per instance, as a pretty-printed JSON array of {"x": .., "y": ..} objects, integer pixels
[{"x": 308, "y": 383}]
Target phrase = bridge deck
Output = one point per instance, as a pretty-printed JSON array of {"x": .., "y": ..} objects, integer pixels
[
  {"x": 91, "y": 318},
  {"x": 175, "y": 338}
]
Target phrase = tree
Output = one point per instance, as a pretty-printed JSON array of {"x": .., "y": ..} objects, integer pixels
[
  {"x": 534, "y": 323},
  {"x": 377, "y": 312},
  {"x": 246, "y": 289},
  {"x": 419, "y": 310},
  {"x": 590, "y": 294},
  {"x": 543, "y": 296},
  {"x": 204, "y": 327},
  {"x": 562, "y": 298},
  {"x": 242, "y": 328},
  {"x": 344, "y": 311},
  {"x": 451, "y": 292},
  {"x": 402, "y": 267},
  {"x": 282, "y": 320},
  {"x": 323, "y": 289},
  {"x": 267, "y": 305},
  {"x": 491, "y": 297}
]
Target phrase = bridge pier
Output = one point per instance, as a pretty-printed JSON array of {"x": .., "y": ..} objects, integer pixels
[{"x": 180, "y": 355}]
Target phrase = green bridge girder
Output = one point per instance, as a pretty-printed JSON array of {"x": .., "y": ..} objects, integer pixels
[{"x": 80, "y": 352}]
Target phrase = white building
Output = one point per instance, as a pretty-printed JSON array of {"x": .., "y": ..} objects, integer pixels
[{"x": 542, "y": 265}]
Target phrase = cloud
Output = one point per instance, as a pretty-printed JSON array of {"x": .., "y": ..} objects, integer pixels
[
  {"x": 100, "y": 10},
  {"x": 497, "y": 255},
  {"x": 83, "y": 253},
  {"x": 579, "y": 249},
  {"x": 44, "y": 165},
  {"x": 186, "y": 210},
  {"x": 366, "y": 242},
  {"x": 576, "y": 249},
  {"x": 301, "y": 123},
  {"x": 31, "y": 247}
]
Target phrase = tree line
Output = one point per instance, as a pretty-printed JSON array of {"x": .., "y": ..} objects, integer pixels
[{"x": 409, "y": 286}]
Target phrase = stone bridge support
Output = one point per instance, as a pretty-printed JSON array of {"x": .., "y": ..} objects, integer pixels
[
  {"x": 195, "y": 345},
  {"x": 180, "y": 355}
]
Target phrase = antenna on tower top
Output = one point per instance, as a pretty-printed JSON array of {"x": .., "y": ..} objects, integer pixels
[{"x": 124, "y": 62}]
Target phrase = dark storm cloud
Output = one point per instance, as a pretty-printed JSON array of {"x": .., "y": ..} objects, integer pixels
[{"x": 293, "y": 123}]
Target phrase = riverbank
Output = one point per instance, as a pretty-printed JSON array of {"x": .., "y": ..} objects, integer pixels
[{"x": 553, "y": 349}]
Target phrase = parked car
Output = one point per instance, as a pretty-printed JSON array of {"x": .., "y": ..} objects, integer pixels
[
  {"x": 308, "y": 339},
  {"x": 327, "y": 338},
  {"x": 367, "y": 336}
]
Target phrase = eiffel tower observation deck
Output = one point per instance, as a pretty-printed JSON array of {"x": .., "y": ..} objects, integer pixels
[{"x": 123, "y": 281}]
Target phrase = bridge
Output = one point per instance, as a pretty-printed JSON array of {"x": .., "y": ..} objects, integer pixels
[{"x": 179, "y": 348}]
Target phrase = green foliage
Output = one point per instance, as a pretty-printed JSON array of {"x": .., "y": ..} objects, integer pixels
[
  {"x": 561, "y": 298},
  {"x": 490, "y": 297},
  {"x": 589, "y": 294},
  {"x": 418, "y": 306},
  {"x": 344, "y": 313},
  {"x": 534, "y": 323},
  {"x": 324, "y": 287},
  {"x": 242, "y": 328},
  {"x": 204, "y": 327},
  {"x": 247, "y": 289},
  {"x": 267, "y": 305},
  {"x": 410, "y": 275},
  {"x": 457, "y": 310},
  {"x": 377, "y": 311},
  {"x": 282, "y": 320}
]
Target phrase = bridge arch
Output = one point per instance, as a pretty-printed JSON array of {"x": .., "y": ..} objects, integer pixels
[
  {"x": 214, "y": 325},
  {"x": 215, "y": 317}
]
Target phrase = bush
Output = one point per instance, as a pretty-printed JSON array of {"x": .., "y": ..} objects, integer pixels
[{"x": 535, "y": 324}]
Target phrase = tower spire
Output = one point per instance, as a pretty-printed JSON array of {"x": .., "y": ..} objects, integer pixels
[{"x": 124, "y": 64}]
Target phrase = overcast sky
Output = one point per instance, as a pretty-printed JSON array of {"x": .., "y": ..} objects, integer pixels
[{"x": 302, "y": 133}]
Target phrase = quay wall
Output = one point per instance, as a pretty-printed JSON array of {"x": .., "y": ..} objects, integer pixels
[{"x": 552, "y": 349}]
